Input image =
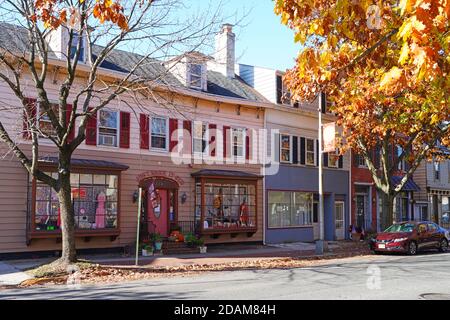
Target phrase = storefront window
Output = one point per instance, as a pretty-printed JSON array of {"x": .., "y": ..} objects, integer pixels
[
  {"x": 95, "y": 202},
  {"x": 290, "y": 209},
  {"x": 227, "y": 206}
]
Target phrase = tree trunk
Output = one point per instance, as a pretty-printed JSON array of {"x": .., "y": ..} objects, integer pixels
[
  {"x": 387, "y": 210},
  {"x": 69, "y": 254}
]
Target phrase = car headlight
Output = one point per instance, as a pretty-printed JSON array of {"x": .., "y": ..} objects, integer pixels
[{"x": 400, "y": 239}]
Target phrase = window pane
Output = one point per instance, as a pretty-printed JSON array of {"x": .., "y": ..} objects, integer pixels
[
  {"x": 86, "y": 179},
  {"x": 108, "y": 119},
  {"x": 99, "y": 179},
  {"x": 112, "y": 181},
  {"x": 158, "y": 142},
  {"x": 158, "y": 126}
]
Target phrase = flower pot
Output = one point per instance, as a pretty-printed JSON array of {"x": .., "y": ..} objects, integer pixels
[
  {"x": 203, "y": 249},
  {"x": 147, "y": 253},
  {"x": 158, "y": 246}
]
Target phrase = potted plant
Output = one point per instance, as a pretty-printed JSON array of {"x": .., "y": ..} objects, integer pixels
[
  {"x": 201, "y": 245},
  {"x": 147, "y": 250},
  {"x": 190, "y": 239},
  {"x": 157, "y": 241}
]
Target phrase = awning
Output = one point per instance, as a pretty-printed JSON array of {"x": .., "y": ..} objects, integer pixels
[
  {"x": 410, "y": 185},
  {"x": 224, "y": 174},
  {"x": 85, "y": 163}
]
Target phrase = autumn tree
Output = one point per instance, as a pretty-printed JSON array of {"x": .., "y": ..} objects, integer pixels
[
  {"x": 152, "y": 30},
  {"x": 384, "y": 66}
]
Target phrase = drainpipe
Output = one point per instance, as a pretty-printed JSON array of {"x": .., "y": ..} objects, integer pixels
[
  {"x": 264, "y": 178},
  {"x": 350, "y": 195}
]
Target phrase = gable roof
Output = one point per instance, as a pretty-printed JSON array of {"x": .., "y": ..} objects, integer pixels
[{"x": 15, "y": 38}]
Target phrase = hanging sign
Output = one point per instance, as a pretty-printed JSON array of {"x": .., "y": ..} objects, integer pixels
[
  {"x": 153, "y": 196},
  {"x": 329, "y": 137}
]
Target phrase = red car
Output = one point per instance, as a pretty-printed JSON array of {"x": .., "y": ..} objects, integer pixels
[{"x": 411, "y": 237}]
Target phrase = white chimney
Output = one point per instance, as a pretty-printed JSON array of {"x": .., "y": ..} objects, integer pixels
[{"x": 225, "y": 51}]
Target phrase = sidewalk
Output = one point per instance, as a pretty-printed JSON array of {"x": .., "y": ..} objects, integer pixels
[{"x": 10, "y": 275}]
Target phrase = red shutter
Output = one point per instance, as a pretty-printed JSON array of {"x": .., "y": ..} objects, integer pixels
[
  {"x": 187, "y": 137},
  {"x": 124, "y": 130},
  {"x": 226, "y": 139},
  {"x": 144, "y": 125},
  {"x": 91, "y": 130},
  {"x": 32, "y": 109},
  {"x": 68, "y": 114},
  {"x": 173, "y": 141},
  {"x": 212, "y": 139},
  {"x": 247, "y": 144}
]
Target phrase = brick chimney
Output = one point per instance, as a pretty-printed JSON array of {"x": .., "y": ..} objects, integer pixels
[{"x": 225, "y": 51}]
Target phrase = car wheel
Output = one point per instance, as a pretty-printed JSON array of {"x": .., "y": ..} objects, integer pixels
[
  {"x": 412, "y": 248},
  {"x": 443, "y": 246}
]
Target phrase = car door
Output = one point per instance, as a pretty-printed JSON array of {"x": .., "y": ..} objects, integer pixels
[
  {"x": 434, "y": 235},
  {"x": 423, "y": 240}
]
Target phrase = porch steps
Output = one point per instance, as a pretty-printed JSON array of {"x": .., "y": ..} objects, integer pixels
[{"x": 170, "y": 247}]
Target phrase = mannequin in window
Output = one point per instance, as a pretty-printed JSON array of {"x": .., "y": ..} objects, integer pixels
[
  {"x": 243, "y": 213},
  {"x": 100, "y": 212}
]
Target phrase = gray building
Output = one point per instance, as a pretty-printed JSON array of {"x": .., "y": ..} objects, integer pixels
[{"x": 291, "y": 187}]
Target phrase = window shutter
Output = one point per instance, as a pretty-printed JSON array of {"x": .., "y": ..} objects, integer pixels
[
  {"x": 317, "y": 153},
  {"x": 302, "y": 151},
  {"x": 325, "y": 159},
  {"x": 279, "y": 89},
  {"x": 69, "y": 109},
  {"x": 91, "y": 130},
  {"x": 247, "y": 144},
  {"x": 341, "y": 162},
  {"x": 295, "y": 149},
  {"x": 212, "y": 139},
  {"x": 124, "y": 130},
  {"x": 173, "y": 127},
  {"x": 226, "y": 141},
  {"x": 144, "y": 129},
  {"x": 31, "y": 103},
  {"x": 276, "y": 151},
  {"x": 377, "y": 159},
  {"x": 187, "y": 136}
]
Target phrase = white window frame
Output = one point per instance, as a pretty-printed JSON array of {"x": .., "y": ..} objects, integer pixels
[
  {"x": 437, "y": 173},
  {"x": 205, "y": 138},
  {"x": 118, "y": 128},
  {"x": 314, "y": 152},
  {"x": 290, "y": 148},
  {"x": 244, "y": 135},
  {"x": 330, "y": 156},
  {"x": 361, "y": 159},
  {"x": 190, "y": 76},
  {"x": 166, "y": 147}
]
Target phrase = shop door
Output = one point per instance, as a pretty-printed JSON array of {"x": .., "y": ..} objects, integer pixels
[
  {"x": 158, "y": 211},
  {"x": 339, "y": 218},
  {"x": 361, "y": 211}
]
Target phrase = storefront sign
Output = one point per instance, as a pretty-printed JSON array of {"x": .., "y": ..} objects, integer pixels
[{"x": 151, "y": 174}]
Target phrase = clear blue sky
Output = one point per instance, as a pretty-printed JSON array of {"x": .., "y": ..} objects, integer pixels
[{"x": 262, "y": 40}]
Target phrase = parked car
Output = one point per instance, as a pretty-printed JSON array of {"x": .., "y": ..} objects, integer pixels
[{"x": 411, "y": 237}]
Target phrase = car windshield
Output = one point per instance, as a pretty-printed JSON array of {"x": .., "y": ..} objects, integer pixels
[{"x": 400, "y": 228}]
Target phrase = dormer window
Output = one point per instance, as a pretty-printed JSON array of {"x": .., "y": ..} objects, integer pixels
[
  {"x": 74, "y": 46},
  {"x": 195, "y": 76}
]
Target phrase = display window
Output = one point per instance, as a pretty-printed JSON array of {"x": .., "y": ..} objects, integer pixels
[
  {"x": 225, "y": 206},
  {"x": 290, "y": 209},
  {"x": 95, "y": 202}
]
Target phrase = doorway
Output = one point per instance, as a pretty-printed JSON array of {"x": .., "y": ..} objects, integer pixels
[
  {"x": 159, "y": 207},
  {"x": 339, "y": 220}
]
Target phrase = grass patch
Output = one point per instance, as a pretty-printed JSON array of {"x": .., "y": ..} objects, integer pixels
[{"x": 56, "y": 269}]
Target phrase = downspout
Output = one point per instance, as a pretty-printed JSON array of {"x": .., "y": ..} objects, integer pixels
[
  {"x": 264, "y": 176},
  {"x": 350, "y": 195}
]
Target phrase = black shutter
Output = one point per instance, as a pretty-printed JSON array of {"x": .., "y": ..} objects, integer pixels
[
  {"x": 325, "y": 159},
  {"x": 302, "y": 151},
  {"x": 317, "y": 153},
  {"x": 355, "y": 159},
  {"x": 295, "y": 149},
  {"x": 279, "y": 89},
  {"x": 341, "y": 162}
]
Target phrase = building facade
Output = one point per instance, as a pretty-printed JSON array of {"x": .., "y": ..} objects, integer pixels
[
  {"x": 291, "y": 191},
  {"x": 194, "y": 155}
]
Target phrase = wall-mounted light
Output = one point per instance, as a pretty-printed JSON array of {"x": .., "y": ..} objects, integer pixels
[
  {"x": 183, "y": 197},
  {"x": 135, "y": 196}
]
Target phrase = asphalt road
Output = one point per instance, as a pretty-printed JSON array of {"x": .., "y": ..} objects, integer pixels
[{"x": 376, "y": 277}]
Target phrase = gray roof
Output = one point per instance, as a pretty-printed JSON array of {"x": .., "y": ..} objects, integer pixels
[
  {"x": 15, "y": 38},
  {"x": 86, "y": 163},
  {"x": 225, "y": 174}
]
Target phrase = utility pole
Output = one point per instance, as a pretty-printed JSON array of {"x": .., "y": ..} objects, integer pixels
[{"x": 320, "y": 242}]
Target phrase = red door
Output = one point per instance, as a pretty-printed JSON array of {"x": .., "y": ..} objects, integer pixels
[{"x": 158, "y": 212}]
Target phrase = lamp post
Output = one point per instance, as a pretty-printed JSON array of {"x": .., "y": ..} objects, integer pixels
[{"x": 320, "y": 242}]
